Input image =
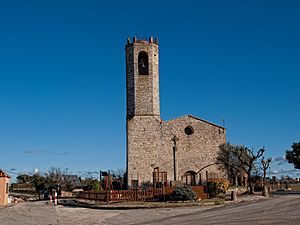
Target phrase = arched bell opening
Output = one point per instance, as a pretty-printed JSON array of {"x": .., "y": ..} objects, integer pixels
[{"x": 143, "y": 63}]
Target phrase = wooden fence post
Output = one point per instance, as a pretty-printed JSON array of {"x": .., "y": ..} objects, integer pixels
[{"x": 207, "y": 188}]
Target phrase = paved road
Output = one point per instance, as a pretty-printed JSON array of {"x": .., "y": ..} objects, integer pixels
[
  {"x": 40, "y": 213},
  {"x": 28, "y": 213},
  {"x": 283, "y": 209}
]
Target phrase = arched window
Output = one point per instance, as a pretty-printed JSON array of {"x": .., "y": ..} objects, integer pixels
[{"x": 143, "y": 63}]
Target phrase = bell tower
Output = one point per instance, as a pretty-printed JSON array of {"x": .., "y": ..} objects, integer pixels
[
  {"x": 142, "y": 78},
  {"x": 143, "y": 124}
]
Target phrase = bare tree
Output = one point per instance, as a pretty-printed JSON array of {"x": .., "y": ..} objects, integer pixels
[
  {"x": 265, "y": 164},
  {"x": 55, "y": 179},
  {"x": 237, "y": 159},
  {"x": 247, "y": 159},
  {"x": 228, "y": 161}
]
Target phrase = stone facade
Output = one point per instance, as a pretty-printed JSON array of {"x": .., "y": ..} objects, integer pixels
[{"x": 149, "y": 139}]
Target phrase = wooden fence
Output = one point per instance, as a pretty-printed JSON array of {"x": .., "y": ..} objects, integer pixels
[
  {"x": 22, "y": 187},
  {"x": 94, "y": 195},
  {"x": 123, "y": 195},
  {"x": 135, "y": 195}
]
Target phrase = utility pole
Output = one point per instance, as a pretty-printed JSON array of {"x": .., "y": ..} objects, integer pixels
[{"x": 174, "y": 139}]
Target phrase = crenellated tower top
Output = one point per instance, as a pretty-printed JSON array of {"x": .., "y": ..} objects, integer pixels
[{"x": 151, "y": 40}]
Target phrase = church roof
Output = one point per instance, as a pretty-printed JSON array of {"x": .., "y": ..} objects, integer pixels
[
  {"x": 196, "y": 118},
  {"x": 3, "y": 174}
]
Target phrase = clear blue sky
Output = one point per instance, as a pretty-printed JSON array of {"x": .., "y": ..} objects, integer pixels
[{"x": 62, "y": 75}]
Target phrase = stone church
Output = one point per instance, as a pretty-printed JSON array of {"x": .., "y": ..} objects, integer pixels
[{"x": 158, "y": 151}]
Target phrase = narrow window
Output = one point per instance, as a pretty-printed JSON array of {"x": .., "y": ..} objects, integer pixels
[
  {"x": 6, "y": 188},
  {"x": 143, "y": 63},
  {"x": 134, "y": 184}
]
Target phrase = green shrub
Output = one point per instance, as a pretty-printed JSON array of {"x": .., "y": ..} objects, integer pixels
[
  {"x": 92, "y": 185},
  {"x": 217, "y": 187},
  {"x": 183, "y": 193}
]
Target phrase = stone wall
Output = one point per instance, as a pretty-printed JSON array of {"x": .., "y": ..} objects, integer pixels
[
  {"x": 150, "y": 146},
  {"x": 143, "y": 145},
  {"x": 195, "y": 151}
]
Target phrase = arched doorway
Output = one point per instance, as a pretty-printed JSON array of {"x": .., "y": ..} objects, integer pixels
[{"x": 189, "y": 178}]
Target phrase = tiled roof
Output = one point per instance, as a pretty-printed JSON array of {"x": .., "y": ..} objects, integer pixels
[{"x": 3, "y": 174}]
